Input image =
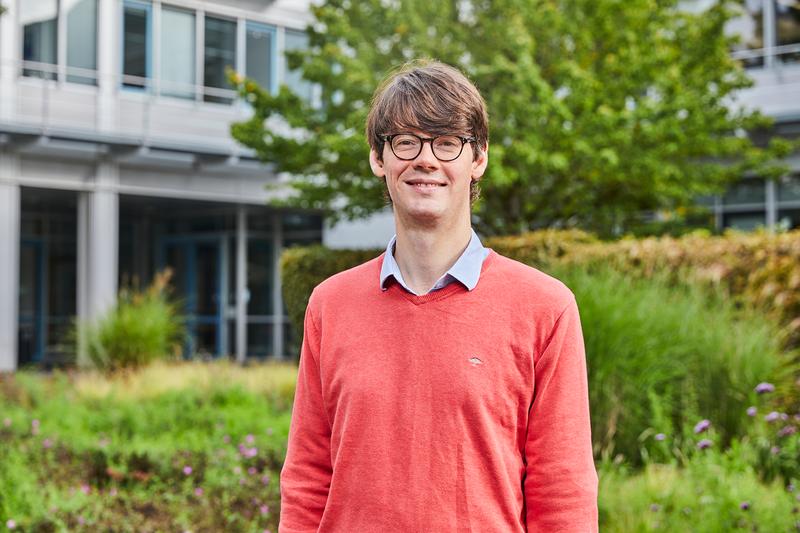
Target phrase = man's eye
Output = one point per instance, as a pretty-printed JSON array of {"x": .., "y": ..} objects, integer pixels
[
  {"x": 447, "y": 143},
  {"x": 405, "y": 142}
]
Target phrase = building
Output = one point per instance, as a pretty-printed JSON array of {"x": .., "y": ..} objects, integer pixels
[
  {"x": 116, "y": 161},
  {"x": 770, "y": 50}
]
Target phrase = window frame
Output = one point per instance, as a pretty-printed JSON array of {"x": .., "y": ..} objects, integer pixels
[{"x": 149, "y": 83}]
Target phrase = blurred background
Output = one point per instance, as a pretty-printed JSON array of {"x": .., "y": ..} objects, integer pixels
[{"x": 176, "y": 176}]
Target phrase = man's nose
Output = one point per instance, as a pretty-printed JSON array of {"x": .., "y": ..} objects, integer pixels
[{"x": 426, "y": 157}]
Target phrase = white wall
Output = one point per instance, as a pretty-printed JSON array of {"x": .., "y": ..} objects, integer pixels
[{"x": 373, "y": 232}]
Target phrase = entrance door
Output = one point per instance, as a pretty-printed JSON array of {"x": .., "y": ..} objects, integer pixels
[
  {"x": 31, "y": 338},
  {"x": 199, "y": 266}
]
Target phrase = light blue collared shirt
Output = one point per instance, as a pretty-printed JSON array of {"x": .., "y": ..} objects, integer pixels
[{"x": 467, "y": 269}]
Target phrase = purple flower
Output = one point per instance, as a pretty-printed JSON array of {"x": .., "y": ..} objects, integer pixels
[
  {"x": 265, "y": 480},
  {"x": 790, "y": 487},
  {"x": 7, "y": 422},
  {"x": 187, "y": 470},
  {"x": 660, "y": 436},
  {"x": 702, "y": 426},
  {"x": 198, "y": 491},
  {"x": 773, "y": 416},
  {"x": 10, "y": 524},
  {"x": 250, "y": 439},
  {"x": 81, "y": 520},
  {"x": 35, "y": 423},
  {"x": 654, "y": 507},
  {"x": 744, "y": 506},
  {"x": 252, "y": 471},
  {"x": 241, "y": 481},
  {"x": 112, "y": 492},
  {"x": 264, "y": 509},
  {"x": 764, "y": 387},
  {"x": 86, "y": 489},
  {"x": 237, "y": 469},
  {"x": 775, "y": 450},
  {"x": 47, "y": 443},
  {"x": 226, "y": 439},
  {"x": 787, "y": 430},
  {"x": 270, "y": 431},
  {"x": 751, "y": 411},
  {"x": 703, "y": 444}
]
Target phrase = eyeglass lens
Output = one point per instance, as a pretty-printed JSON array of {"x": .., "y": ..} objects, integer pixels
[{"x": 445, "y": 147}]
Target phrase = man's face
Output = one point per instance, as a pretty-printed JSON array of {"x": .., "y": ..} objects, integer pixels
[{"x": 426, "y": 190}]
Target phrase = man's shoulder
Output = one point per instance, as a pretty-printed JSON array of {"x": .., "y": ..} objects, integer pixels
[
  {"x": 529, "y": 283},
  {"x": 351, "y": 282}
]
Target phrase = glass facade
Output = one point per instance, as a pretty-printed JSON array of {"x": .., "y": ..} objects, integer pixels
[
  {"x": 260, "y": 44},
  {"x": 198, "y": 242},
  {"x": 219, "y": 55},
  {"x": 47, "y": 276},
  {"x": 39, "y": 20},
  {"x": 136, "y": 44},
  {"x": 177, "y": 70},
  {"x": 81, "y": 40},
  {"x": 749, "y": 26},
  {"x": 787, "y": 27}
]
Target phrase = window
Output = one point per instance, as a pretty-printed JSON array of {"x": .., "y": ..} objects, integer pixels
[
  {"x": 39, "y": 20},
  {"x": 296, "y": 40},
  {"x": 136, "y": 45},
  {"x": 744, "y": 221},
  {"x": 177, "y": 70},
  {"x": 260, "y": 44},
  {"x": 749, "y": 26},
  {"x": 220, "y": 53},
  {"x": 82, "y": 40},
  {"x": 789, "y": 189},
  {"x": 787, "y": 21},
  {"x": 748, "y": 191}
]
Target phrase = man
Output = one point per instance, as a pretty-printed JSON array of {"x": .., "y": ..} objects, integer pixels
[{"x": 442, "y": 387}]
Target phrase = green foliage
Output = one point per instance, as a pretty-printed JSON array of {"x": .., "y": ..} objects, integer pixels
[
  {"x": 143, "y": 326},
  {"x": 84, "y": 452},
  {"x": 663, "y": 357},
  {"x": 599, "y": 109},
  {"x": 704, "y": 496}
]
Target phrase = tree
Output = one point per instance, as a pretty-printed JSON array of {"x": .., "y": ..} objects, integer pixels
[{"x": 599, "y": 109}]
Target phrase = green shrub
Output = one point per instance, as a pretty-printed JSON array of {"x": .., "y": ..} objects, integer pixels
[
  {"x": 143, "y": 326},
  {"x": 663, "y": 357}
]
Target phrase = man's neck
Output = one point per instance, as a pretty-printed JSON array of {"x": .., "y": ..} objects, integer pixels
[{"x": 425, "y": 254}]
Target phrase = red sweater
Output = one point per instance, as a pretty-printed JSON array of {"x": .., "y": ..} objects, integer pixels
[{"x": 453, "y": 411}]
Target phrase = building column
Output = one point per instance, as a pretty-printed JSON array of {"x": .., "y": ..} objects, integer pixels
[
  {"x": 242, "y": 294},
  {"x": 772, "y": 204},
  {"x": 9, "y": 265},
  {"x": 9, "y": 61},
  {"x": 277, "y": 294},
  {"x": 108, "y": 22},
  {"x": 98, "y": 245}
]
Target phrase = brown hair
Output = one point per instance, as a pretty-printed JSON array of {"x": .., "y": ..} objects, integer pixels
[{"x": 428, "y": 96}]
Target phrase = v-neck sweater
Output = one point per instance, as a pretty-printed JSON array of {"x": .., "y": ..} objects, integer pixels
[{"x": 453, "y": 411}]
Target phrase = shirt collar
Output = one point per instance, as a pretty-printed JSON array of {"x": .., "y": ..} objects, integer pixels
[{"x": 466, "y": 269}]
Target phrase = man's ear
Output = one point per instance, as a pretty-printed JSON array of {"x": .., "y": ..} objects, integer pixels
[
  {"x": 376, "y": 164},
  {"x": 479, "y": 164}
]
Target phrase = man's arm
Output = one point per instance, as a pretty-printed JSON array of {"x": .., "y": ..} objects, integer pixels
[
  {"x": 306, "y": 473},
  {"x": 560, "y": 486}
]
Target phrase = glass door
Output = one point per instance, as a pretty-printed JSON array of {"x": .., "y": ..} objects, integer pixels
[{"x": 198, "y": 272}]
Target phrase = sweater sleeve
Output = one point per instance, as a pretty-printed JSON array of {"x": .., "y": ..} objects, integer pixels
[
  {"x": 560, "y": 485},
  {"x": 306, "y": 473}
]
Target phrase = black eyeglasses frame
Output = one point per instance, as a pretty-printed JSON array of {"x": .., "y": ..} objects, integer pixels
[{"x": 423, "y": 140}]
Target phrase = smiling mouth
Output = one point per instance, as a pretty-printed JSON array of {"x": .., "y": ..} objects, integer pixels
[{"x": 426, "y": 184}]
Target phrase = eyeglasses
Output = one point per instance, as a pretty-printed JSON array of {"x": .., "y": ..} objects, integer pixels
[{"x": 407, "y": 146}]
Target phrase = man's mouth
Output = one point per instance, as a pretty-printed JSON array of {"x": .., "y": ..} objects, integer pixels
[{"x": 425, "y": 184}]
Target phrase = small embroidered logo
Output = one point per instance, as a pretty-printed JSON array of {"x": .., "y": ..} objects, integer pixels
[{"x": 475, "y": 361}]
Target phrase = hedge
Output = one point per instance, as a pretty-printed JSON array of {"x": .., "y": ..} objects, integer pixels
[{"x": 757, "y": 270}]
